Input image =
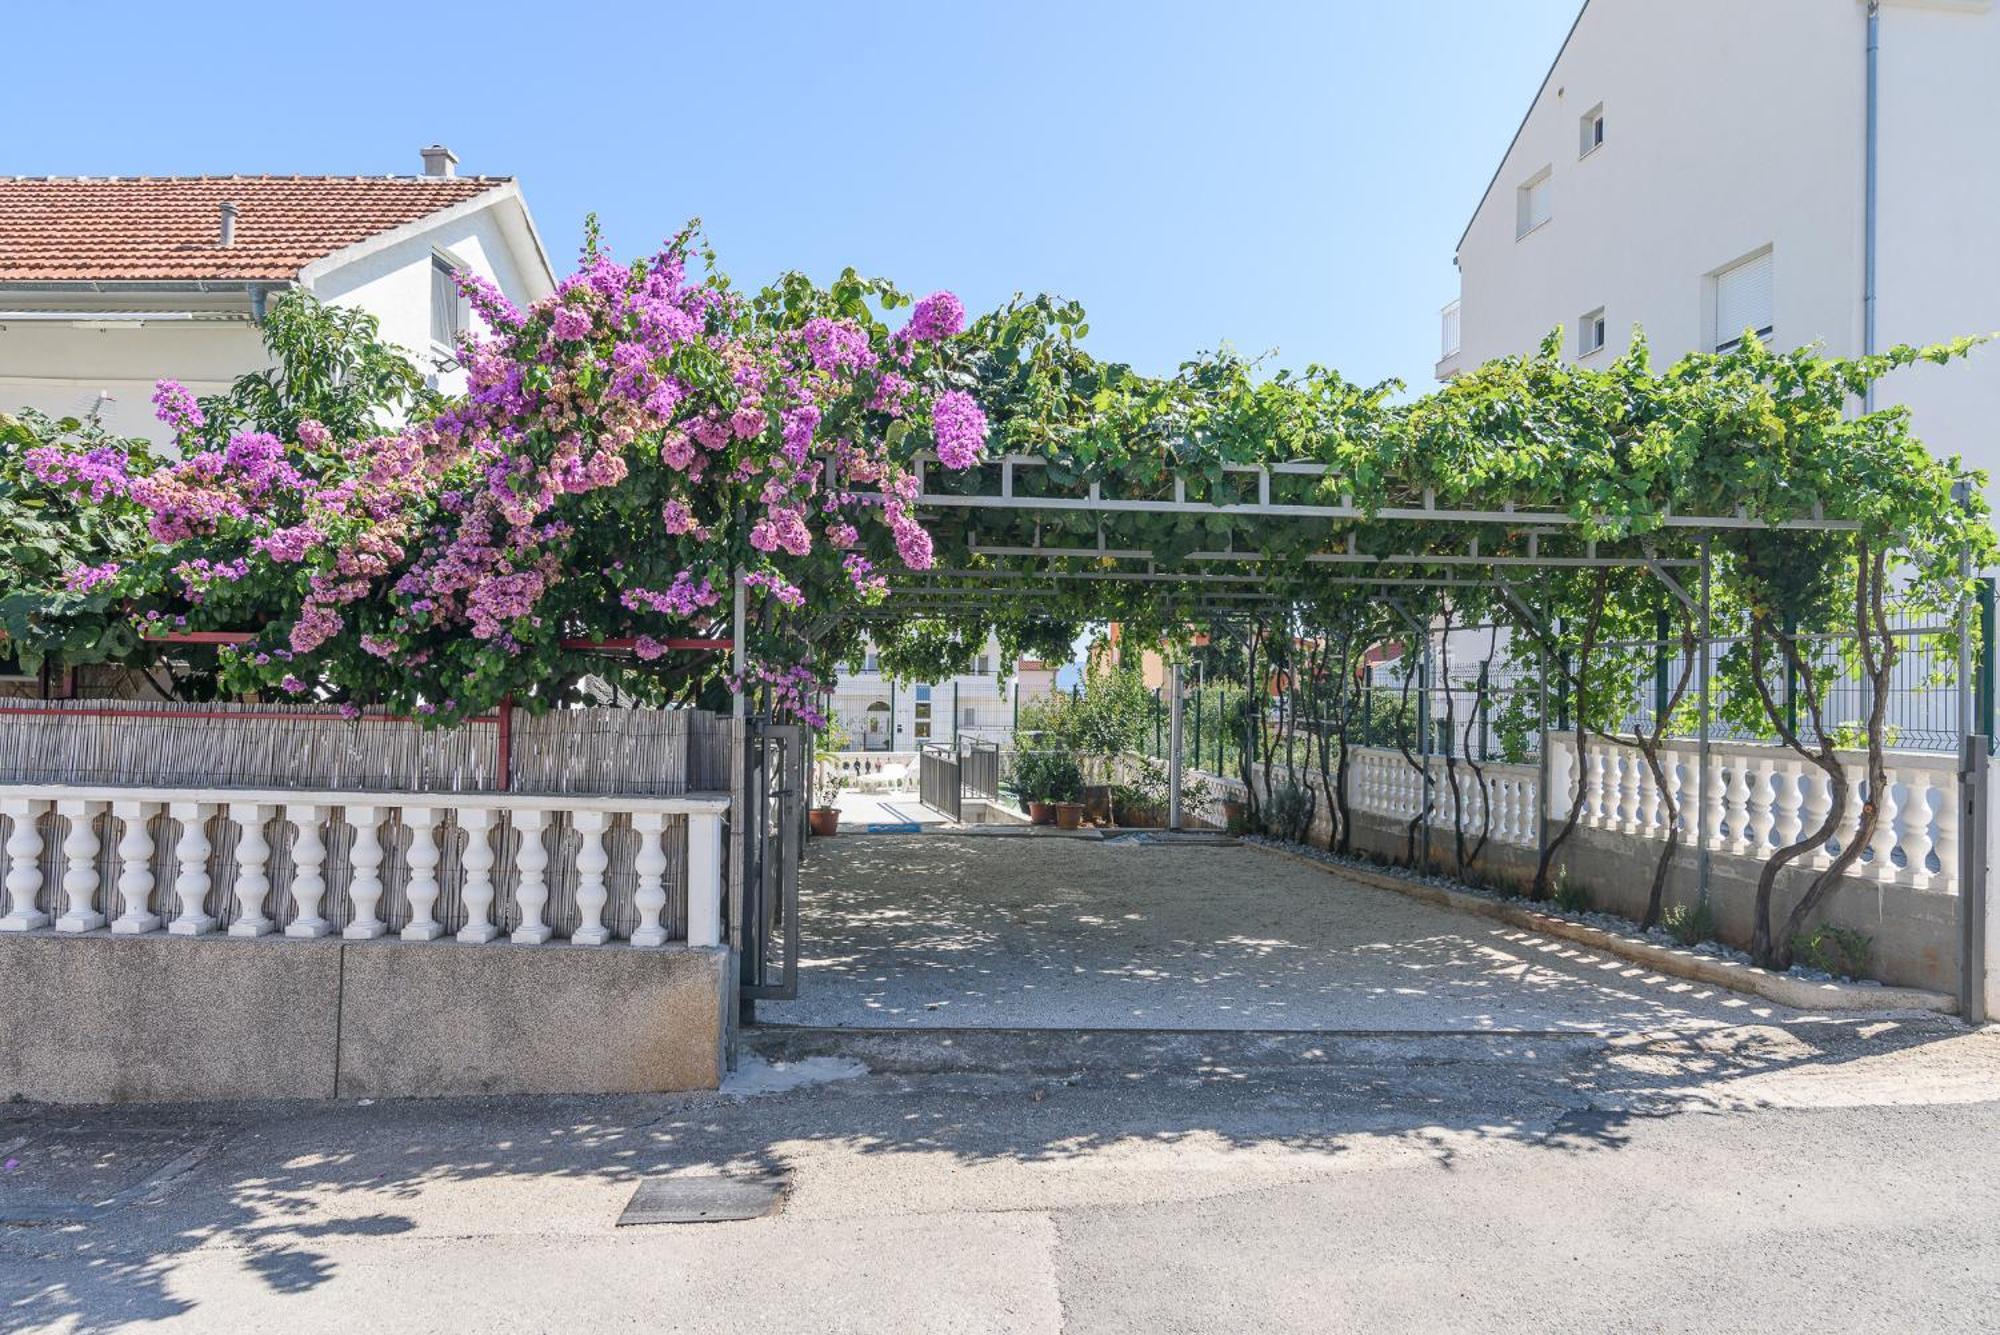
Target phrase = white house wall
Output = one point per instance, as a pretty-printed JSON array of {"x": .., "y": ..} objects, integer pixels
[
  {"x": 1731, "y": 127},
  {"x": 395, "y": 283},
  {"x": 1938, "y": 267},
  {"x": 66, "y": 371}
]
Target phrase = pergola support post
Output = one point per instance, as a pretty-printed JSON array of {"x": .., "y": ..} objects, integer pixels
[
  {"x": 739, "y": 619},
  {"x": 1543, "y": 768},
  {"x": 1175, "y": 708},
  {"x": 1705, "y": 745}
]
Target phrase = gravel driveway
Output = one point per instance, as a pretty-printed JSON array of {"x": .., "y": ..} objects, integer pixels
[{"x": 938, "y": 930}]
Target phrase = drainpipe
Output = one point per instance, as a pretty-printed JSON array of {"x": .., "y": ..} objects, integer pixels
[{"x": 1869, "y": 175}]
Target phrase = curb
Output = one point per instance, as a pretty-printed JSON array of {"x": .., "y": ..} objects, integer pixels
[{"x": 1799, "y": 993}]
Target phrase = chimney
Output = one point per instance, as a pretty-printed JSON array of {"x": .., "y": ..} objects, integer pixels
[
  {"x": 440, "y": 161},
  {"x": 226, "y": 235}
]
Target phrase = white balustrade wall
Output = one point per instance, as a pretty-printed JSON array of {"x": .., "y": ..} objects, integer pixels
[
  {"x": 1761, "y": 798},
  {"x": 1382, "y": 783},
  {"x": 638, "y": 871}
]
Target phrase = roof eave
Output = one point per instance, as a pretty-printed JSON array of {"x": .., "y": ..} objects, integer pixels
[{"x": 501, "y": 192}]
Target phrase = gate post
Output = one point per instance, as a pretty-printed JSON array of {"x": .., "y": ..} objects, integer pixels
[
  {"x": 1973, "y": 784},
  {"x": 1972, "y": 776}
]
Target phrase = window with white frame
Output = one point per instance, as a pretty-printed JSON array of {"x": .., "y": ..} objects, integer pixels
[
  {"x": 1590, "y": 131},
  {"x": 1743, "y": 301},
  {"x": 1590, "y": 333},
  {"x": 1531, "y": 203},
  {"x": 447, "y": 302}
]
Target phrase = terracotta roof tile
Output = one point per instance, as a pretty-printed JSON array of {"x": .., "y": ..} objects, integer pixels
[{"x": 136, "y": 228}]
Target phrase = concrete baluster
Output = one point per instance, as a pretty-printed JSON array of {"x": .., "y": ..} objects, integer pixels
[
  {"x": 364, "y": 884},
  {"x": 135, "y": 875},
  {"x": 308, "y": 884},
  {"x": 1882, "y": 842},
  {"x": 1945, "y": 879},
  {"x": 1786, "y": 823},
  {"x": 651, "y": 864},
  {"x": 1818, "y": 806},
  {"x": 477, "y": 864},
  {"x": 1736, "y": 808},
  {"x": 422, "y": 887},
  {"x": 531, "y": 891},
  {"x": 80, "y": 876},
  {"x": 591, "y": 895},
  {"x": 192, "y": 854},
  {"x": 24, "y": 864},
  {"x": 253, "y": 883},
  {"x": 1913, "y": 825}
]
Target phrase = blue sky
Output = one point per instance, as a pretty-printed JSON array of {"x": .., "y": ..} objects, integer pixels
[{"x": 1285, "y": 176}]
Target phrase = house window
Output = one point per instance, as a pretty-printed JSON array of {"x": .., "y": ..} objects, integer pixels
[
  {"x": 923, "y": 729},
  {"x": 924, "y": 697},
  {"x": 1590, "y": 131},
  {"x": 979, "y": 666},
  {"x": 1590, "y": 333},
  {"x": 970, "y": 715},
  {"x": 447, "y": 303},
  {"x": 1531, "y": 203},
  {"x": 1743, "y": 301}
]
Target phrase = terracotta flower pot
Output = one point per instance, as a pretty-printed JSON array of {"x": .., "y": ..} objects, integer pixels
[
  {"x": 1069, "y": 815},
  {"x": 824, "y": 820},
  {"x": 1041, "y": 813}
]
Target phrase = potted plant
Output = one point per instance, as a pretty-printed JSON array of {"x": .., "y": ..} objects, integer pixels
[
  {"x": 828, "y": 780},
  {"x": 1063, "y": 787},
  {"x": 1029, "y": 785}
]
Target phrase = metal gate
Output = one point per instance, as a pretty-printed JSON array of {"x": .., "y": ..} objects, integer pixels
[
  {"x": 937, "y": 779},
  {"x": 777, "y": 766},
  {"x": 979, "y": 768}
]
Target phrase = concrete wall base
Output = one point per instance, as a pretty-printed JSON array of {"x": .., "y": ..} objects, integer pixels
[
  {"x": 93, "y": 1018},
  {"x": 1913, "y": 933}
]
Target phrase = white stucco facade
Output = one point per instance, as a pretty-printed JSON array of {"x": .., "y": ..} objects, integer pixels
[
  {"x": 1733, "y": 130},
  {"x": 70, "y": 349},
  {"x": 880, "y": 713}
]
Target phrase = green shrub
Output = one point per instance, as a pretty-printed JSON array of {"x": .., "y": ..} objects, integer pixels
[
  {"x": 1689, "y": 924},
  {"x": 1571, "y": 896},
  {"x": 1288, "y": 811},
  {"x": 1840, "y": 951}
]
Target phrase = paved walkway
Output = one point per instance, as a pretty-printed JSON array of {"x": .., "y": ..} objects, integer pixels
[
  {"x": 891, "y": 811},
  {"x": 939, "y": 930}
]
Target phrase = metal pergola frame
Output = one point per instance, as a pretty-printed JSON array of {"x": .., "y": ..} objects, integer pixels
[{"x": 1203, "y": 593}]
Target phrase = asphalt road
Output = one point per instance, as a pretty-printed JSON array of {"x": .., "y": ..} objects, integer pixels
[{"x": 1808, "y": 1176}]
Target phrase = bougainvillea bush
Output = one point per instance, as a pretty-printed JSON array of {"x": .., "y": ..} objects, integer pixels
[{"x": 624, "y": 448}]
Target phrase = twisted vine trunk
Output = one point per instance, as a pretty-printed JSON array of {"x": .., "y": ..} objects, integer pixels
[
  {"x": 1476, "y": 766},
  {"x": 1649, "y": 747},
  {"x": 1334, "y": 813},
  {"x": 1878, "y": 660},
  {"x": 1252, "y": 809},
  {"x": 1406, "y": 725},
  {"x": 1540, "y": 889}
]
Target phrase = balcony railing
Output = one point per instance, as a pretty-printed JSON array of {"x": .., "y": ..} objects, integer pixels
[{"x": 1448, "y": 332}]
